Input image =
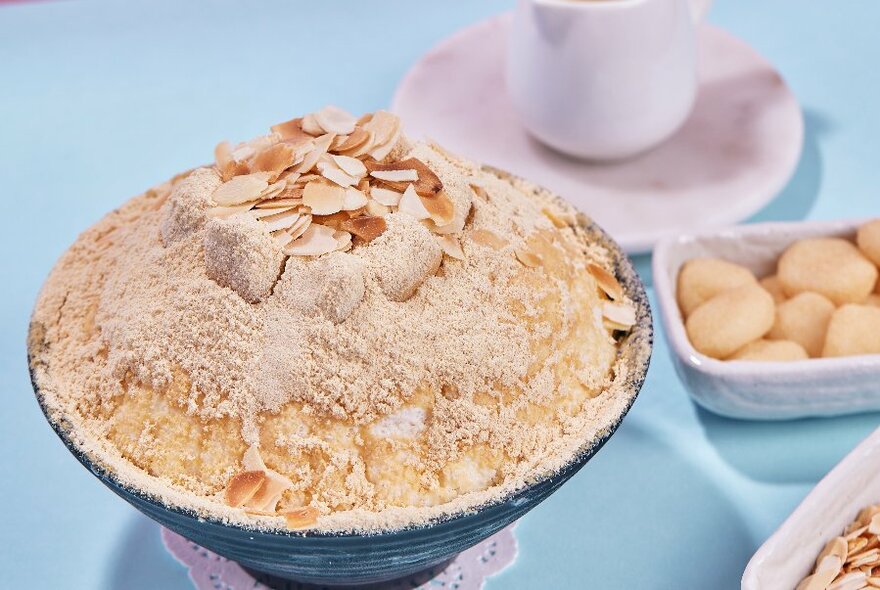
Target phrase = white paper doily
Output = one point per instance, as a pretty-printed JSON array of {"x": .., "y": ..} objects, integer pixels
[
  {"x": 468, "y": 571},
  {"x": 733, "y": 155}
]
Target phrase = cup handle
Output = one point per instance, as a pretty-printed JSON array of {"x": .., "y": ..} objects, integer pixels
[{"x": 699, "y": 8}]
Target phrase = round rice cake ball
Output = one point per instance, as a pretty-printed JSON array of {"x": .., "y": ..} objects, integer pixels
[
  {"x": 772, "y": 285},
  {"x": 832, "y": 267},
  {"x": 853, "y": 329},
  {"x": 730, "y": 320},
  {"x": 770, "y": 350},
  {"x": 700, "y": 279},
  {"x": 873, "y": 299},
  {"x": 803, "y": 319},
  {"x": 868, "y": 239}
]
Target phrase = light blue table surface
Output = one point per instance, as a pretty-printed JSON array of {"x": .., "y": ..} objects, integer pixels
[{"x": 99, "y": 100}]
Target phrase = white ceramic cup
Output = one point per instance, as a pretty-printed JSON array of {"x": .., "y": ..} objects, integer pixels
[{"x": 603, "y": 79}]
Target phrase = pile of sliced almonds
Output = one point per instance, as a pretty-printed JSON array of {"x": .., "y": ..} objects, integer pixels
[
  {"x": 321, "y": 181},
  {"x": 325, "y": 181},
  {"x": 617, "y": 313},
  {"x": 851, "y": 561},
  {"x": 258, "y": 490}
]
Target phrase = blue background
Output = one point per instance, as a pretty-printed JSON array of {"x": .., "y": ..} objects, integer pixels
[{"x": 100, "y": 100}]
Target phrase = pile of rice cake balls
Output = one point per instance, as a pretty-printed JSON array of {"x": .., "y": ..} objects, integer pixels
[{"x": 823, "y": 301}]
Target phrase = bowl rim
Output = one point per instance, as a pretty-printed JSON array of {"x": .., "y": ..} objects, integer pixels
[
  {"x": 639, "y": 340},
  {"x": 673, "y": 322}
]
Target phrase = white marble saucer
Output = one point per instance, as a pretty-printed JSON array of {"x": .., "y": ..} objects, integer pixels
[{"x": 734, "y": 154}]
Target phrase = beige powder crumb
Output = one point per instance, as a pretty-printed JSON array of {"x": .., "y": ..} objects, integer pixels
[
  {"x": 509, "y": 368},
  {"x": 332, "y": 286},
  {"x": 185, "y": 209},
  {"x": 403, "y": 256},
  {"x": 240, "y": 254}
]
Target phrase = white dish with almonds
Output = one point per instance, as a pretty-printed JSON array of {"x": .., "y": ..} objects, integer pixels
[
  {"x": 760, "y": 390},
  {"x": 791, "y": 553}
]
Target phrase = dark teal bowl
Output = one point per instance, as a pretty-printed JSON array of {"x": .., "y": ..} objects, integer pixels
[{"x": 353, "y": 559}]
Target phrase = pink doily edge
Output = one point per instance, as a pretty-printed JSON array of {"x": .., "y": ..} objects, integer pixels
[{"x": 468, "y": 571}]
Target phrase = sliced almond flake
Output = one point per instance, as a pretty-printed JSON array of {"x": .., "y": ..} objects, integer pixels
[
  {"x": 320, "y": 147},
  {"x": 334, "y": 220},
  {"x": 451, "y": 246},
  {"x": 336, "y": 175},
  {"x": 480, "y": 192},
  {"x": 240, "y": 189},
  {"x": 332, "y": 119},
  {"x": 620, "y": 314},
  {"x": 270, "y": 492},
  {"x": 852, "y": 533},
  {"x": 366, "y": 227},
  {"x": 823, "y": 576},
  {"x": 261, "y": 213},
  {"x": 316, "y": 240},
  {"x": 283, "y": 237},
  {"x": 289, "y": 176},
  {"x": 343, "y": 240},
  {"x": 428, "y": 183},
  {"x": 836, "y": 546},
  {"x": 528, "y": 258},
  {"x": 354, "y": 199},
  {"x": 243, "y": 486},
  {"x": 354, "y": 140},
  {"x": 381, "y": 152},
  {"x": 816, "y": 581},
  {"x": 351, "y": 166},
  {"x": 323, "y": 198},
  {"x": 294, "y": 192},
  {"x": 281, "y": 220},
  {"x": 234, "y": 168},
  {"x": 558, "y": 219},
  {"x": 301, "y": 225},
  {"x": 227, "y": 212},
  {"x": 299, "y": 518},
  {"x": 874, "y": 525},
  {"x": 856, "y": 545},
  {"x": 223, "y": 154},
  {"x": 606, "y": 281},
  {"x": 440, "y": 207},
  {"x": 275, "y": 158},
  {"x": 311, "y": 126},
  {"x": 279, "y": 203},
  {"x": 383, "y": 125},
  {"x": 411, "y": 204},
  {"x": 385, "y": 196},
  {"x": 377, "y": 209},
  {"x": 243, "y": 151},
  {"x": 396, "y": 175},
  {"x": 359, "y": 150},
  {"x": 850, "y": 581},
  {"x": 273, "y": 190},
  {"x": 488, "y": 238},
  {"x": 291, "y": 131}
]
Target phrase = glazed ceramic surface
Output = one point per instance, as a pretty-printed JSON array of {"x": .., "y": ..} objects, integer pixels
[
  {"x": 731, "y": 157},
  {"x": 602, "y": 80},
  {"x": 760, "y": 390},
  {"x": 790, "y": 553},
  {"x": 337, "y": 559}
]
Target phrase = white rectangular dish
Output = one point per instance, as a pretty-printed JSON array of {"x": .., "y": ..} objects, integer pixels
[
  {"x": 788, "y": 556},
  {"x": 760, "y": 390}
]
